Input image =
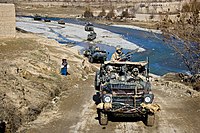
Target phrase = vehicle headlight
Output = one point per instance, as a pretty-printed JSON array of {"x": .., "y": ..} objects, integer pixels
[
  {"x": 148, "y": 98},
  {"x": 106, "y": 99}
]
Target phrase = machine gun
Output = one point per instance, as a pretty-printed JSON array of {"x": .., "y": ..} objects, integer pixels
[{"x": 127, "y": 56}]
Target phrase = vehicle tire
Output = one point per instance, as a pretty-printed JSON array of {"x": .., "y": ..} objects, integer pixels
[
  {"x": 91, "y": 60},
  {"x": 103, "y": 118},
  {"x": 150, "y": 120},
  {"x": 102, "y": 61},
  {"x": 97, "y": 81}
]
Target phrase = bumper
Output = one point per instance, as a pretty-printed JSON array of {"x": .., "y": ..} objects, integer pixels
[{"x": 127, "y": 109}]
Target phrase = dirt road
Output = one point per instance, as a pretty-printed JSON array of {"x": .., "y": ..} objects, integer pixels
[{"x": 179, "y": 113}]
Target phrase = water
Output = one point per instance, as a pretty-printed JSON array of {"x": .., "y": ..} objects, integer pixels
[{"x": 162, "y": 58}]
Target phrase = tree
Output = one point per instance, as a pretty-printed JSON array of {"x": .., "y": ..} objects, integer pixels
[
  {"x": 102, "y": 13},
  {"x": 132, "y": 12},
  {"x": 183, "y": 35},
  {"x": 88, "y": 13},
  {"x": 111, "y": 14},
  {"x": 125, "y": 13}
]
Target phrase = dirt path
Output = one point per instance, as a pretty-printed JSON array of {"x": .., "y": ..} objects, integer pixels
[{"x": 179, "y": 114}]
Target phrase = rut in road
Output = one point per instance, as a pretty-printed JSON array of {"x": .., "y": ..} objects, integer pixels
[
  {"x": 177, "y": 115},
  {"x": 168, "y": 119}
]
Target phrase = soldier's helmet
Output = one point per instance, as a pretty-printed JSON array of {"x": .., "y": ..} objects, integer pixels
[
  {"x": 118, "y": 47},
  {"x": 97, "y": 48},
  {"x": 109, "y": 68},
  {"x": 135, "y": 71}
]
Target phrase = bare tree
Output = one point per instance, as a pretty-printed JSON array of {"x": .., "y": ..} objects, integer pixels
[
  {"x": 111, "y": 14},
  {"x": 125, "y": 13},
  {"x": 88, "y": 13},
  {"x": 132, "y": 11},
  {"x": 102, "y": 13},
  {"x": 183, "y": 35}
]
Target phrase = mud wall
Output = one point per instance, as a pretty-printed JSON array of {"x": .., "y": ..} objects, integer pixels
[{"x": 7, "y": 20}]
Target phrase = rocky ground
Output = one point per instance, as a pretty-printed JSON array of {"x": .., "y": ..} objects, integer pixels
[{"x": 30, "y": 82}]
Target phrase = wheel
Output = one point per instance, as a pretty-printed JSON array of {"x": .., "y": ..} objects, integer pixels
[
  {"x": 91, "y": 60},
  {"x": 150, "y": 119},
  {"x": 103, "y": 118},
  {"x": 97, "y": 81},
  {"x": 96, "y": 98}
]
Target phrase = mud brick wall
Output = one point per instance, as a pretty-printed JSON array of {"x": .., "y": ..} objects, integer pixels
[{"x": 7, "y": 20}]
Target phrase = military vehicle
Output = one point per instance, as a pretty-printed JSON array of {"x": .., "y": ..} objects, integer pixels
[
  {"x": 91, "y": 36},
  {"x": 121, "y": 93},
  {"x": 61, "y": 22},
  {"x": 94, "y": 54},
  {"x": 89, "y": 27},
  {"x": 37, "y": 17},
  {"x": 47, "y": 19}
]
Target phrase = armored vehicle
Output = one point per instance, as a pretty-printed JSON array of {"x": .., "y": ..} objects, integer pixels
[
  {"x": 124, "y": 89},
  {"x": 37, "y": 17},
  {"x": 89, "y": 27},
  {"x": 91, "y": 36},
  {"x": 94, "y": 54},
  {"x": 47, "y": 19},
  {"x": 61, "y": 22}
]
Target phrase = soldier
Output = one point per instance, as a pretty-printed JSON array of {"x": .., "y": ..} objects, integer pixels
[
  {"x": 97, "y": 48},
  {"x": 135, "y": 76},
  {"x": 117, "y": 55},
  {"x": 135, "y": 73}
]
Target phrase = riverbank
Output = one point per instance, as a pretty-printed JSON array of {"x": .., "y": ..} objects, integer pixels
[
  {"x": 76, "y": 13},
  {"x": 73, "y": 33},
  {"x": 129, "y": 37}
]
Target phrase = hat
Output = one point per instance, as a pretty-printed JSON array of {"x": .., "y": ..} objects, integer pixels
[
  {"x": 135, "y": 70},
  {"x": 118, "y": 47},
  {"x": 109, "y": 68}
]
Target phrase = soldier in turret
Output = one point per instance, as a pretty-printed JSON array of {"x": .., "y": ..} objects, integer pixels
[{"x": 118, "y": 54}]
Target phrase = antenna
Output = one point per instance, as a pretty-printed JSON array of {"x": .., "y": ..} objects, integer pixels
[{"x": 147, "y": 69}]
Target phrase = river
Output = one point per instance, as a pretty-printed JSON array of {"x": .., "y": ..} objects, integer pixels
[{"x": 162, "y": 58}]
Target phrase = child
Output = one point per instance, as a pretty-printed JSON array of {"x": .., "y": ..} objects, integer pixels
[{"x": 64, "y": 67}]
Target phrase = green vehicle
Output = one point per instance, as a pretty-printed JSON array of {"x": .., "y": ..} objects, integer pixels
[
  {"x": 94, "y": 54},
  {"x": 124, "y": 89}
]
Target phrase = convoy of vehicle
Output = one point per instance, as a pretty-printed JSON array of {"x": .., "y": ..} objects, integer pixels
[
  {"x": 89, "y": 28},
  {"x": 123, "y": 86}
]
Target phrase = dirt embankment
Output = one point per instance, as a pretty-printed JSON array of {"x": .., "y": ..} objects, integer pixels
[
  {"x": 50, "y": 11},
  {"x": 30, "y": 82}
]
